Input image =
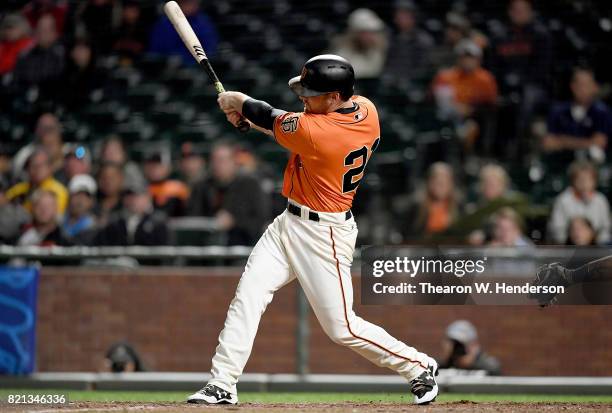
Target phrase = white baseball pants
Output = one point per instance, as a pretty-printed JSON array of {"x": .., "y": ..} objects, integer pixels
[{"x": 319, "y": 254}]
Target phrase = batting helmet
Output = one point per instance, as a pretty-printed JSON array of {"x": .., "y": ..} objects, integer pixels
[{"x": 324, "y": 74}]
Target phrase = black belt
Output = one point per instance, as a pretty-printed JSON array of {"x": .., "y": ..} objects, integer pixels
[{"x": 313, "y": 216}]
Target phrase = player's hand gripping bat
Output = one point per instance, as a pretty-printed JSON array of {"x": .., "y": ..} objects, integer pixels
[{"x": 185, "y": 31}]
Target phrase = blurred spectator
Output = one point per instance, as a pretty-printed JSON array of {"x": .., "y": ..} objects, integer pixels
[
  {"x": 169, "y": 195},
  {"x": 192, "y": 164},
  {"x": 521, "y": 60},
  {"x": 508, "y": 227},
  {"x": 493, "y": 192},
  {"x": 12, "y": 216},
  {"x": 493, "y": 184},
  {"x": 581, "y": 232},
  {"x": 131, "y": 37},
  {"x": 165, "y": 41},
  {"x": 137, "y": 224},
  {"x": 48, "y": 134},
  {"x": 44, "y": 230},
  {"x": 583, "y": 125},
  {"x": 114, "y": 151},
  {"x": 236, "y": 200},
  {"x": 462, "y": 350},
  {"x": 522, "y": 53},
  {"x": 457, "y": 28},
  {"x": 6, "y": 162},
  {"x": 110, "y": 189},
  {"x": 98, "y": 22},
  {"x": 120, "y": 358},
  {"x": 14, "y": 39},
  {"x": 249, "y": 163},
  {"x": 410, "y": 44},
  {"x": 580, "y": 199},
  {"x": 77, "y": 161},
  {"x": 81, "y": 77},
  {"x": 79, "y": 222},
  {"x": 466, "y": 93},
  {"x": 364, "y": 44},
  {"x": 434, "y": 208},
  {"x": 36, "y": 9},
  {"x": 40, "y": 176},
  {"x": 43, "y": 64}
]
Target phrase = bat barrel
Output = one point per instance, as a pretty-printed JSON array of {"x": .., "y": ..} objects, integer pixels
[{"x": 189, "y": 38}]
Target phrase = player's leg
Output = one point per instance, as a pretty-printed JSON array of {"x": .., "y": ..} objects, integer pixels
[
  {"x": 266, "y": 271},
  {"x": 321, "y": 257}
]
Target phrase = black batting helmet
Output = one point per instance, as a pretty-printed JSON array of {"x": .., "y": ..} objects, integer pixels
[{"x": 324, "y": 74}]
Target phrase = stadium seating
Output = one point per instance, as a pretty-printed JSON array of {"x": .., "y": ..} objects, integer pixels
[{"x": 262, "y": 44}]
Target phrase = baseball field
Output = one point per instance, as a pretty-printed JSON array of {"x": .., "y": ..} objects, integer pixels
[
  {"x": 305, "y": 206},
  {"x": 113, "y": 401}
]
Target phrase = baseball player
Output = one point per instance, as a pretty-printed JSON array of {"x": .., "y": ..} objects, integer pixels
[{"x": 314, "y": 238}]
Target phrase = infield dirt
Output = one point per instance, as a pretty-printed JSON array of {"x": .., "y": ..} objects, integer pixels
[{"x": 455, "y": 407}]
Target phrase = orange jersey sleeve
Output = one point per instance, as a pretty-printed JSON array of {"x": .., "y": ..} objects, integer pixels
[
  {"x": 329, "y": 154},
  {"x": 291, "y": 131}
]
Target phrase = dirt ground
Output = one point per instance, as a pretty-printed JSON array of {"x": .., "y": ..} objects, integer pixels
[{"x": 455, "y": 407}]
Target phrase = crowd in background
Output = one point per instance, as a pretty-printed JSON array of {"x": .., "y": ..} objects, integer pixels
[
  {"x": 54, "y": 192},
  {"x": 67, "y": 195}
]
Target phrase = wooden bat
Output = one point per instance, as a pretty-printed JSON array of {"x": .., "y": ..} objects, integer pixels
[{"x": 189, "y": 38}]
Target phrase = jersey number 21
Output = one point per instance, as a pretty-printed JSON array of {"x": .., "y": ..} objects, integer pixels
[{"x": 349, "y": 183}]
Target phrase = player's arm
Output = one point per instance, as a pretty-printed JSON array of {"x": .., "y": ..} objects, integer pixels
[
  {"x": 260, "y": 114},
  {"x": 556, "y": 139},
  {"x": 290, "y": 130},
  {"x": 552, "y": 142}
]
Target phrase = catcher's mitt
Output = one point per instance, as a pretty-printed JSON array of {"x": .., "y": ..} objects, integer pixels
[{"x": 549, "y": 275}]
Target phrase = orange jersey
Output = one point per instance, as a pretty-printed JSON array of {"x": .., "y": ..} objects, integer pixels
[
  {"x": 477, "y": 87},
  {"x": 329, "y": 153}
]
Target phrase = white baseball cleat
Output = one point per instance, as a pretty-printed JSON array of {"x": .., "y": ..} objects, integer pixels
[
  {"x": 212, "y": 394},
  {"x": 424, "y": 387}
]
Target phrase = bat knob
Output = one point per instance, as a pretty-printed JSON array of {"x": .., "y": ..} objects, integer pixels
[{"x": 243, "y": 126}]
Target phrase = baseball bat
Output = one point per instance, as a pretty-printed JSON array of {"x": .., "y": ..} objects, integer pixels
[{"x": 189, "y": 38}]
